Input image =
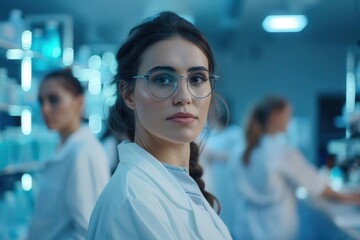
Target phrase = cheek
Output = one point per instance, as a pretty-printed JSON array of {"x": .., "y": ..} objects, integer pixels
[
  {"x": 147, "y": 108},
  {"x": 203, "y": 108},
  {"x": 65, "y": 110}
]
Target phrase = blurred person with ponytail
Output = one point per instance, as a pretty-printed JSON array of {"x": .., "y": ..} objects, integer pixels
[
  {"x": 269, "y": 172},
  {"x": 164, "y": 83},
  {"x": 74, "y": 177}
]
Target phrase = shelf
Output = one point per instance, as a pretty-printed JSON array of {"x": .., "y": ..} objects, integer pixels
[
  {"x": 13, "y": 109},
  {"x": 22, "y": 168}
]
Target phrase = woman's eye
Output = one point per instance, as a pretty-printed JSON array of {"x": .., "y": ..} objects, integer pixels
[
  {"x": 197, "y": 79},
  {"x": 164, "y": 80},
  {"x": 54, "y": 100}
]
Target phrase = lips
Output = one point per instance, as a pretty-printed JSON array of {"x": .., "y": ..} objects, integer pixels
[{"x": 182, "y": 117}]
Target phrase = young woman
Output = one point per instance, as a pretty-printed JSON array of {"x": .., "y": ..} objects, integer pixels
[
  {"x": 74, "y": 178},
  {"x": 268, "y": 174},
  {"x": 165, "y": 80}
]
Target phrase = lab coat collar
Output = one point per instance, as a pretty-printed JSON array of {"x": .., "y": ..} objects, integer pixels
[
  {"x": 83, "y": 133},
  {"x": 136, "y": 155},
  {"x": 279, "y": 139}
]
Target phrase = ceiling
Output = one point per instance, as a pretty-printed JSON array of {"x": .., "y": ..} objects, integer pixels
[{"x": 224, "y": 21}]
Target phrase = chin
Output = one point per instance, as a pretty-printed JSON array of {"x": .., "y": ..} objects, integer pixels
[
  {"x": 182, "y": 139},
  {"x": 51, "y": 126}
]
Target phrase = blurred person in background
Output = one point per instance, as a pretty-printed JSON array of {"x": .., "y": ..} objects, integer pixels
[
  {"x": 165, "y": 95},
  {"x": 268, "y": 174},
  {"x": 73, "y": 179},
  {"x": 221, "y": 151}
]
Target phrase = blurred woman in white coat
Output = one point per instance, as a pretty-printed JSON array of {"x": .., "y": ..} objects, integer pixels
[
  {"x": 268, "y": 174},
  {"x": 73, "y": 179},
  {"x": 165, "y": 85}
]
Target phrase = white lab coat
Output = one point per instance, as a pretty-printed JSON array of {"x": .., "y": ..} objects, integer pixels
[
  {"x": 222, "y": 150},
  {"x": 266, "y": 208},
  {"x": 69, "y": 187},
  {"x": 144, "y": 201}
]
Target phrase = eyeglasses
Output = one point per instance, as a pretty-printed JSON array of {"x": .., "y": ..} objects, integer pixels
[{"x": 163, "y": 83}]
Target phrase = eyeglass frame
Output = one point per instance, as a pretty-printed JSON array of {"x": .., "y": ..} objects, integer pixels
[{"x": 147, "y": 75}]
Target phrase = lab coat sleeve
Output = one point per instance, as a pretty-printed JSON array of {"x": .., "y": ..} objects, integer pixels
[
  {"x": 296, "y": 168},
  {"x": 87, "y": 178},
  {"x": 141, "y": 220}
]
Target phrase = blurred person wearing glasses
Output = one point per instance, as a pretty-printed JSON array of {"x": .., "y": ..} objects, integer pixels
[
  {"x": 268, "y": 174},
  {"x": 73, "y": 179},
  {"x": 165, "y": 95}
]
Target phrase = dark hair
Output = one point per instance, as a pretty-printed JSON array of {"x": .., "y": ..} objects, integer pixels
[
  {"x": 66, "y": 78},
  {"x": 161, "y": 27},
  {"x": 258, "y": 120}
]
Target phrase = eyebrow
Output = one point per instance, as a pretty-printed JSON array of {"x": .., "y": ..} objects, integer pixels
[{"x": 169, "y": 68}]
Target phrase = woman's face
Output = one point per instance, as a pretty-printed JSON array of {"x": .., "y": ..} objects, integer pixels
[
  {"x": 280, "y": 119},
  {"x": 181, "y": 117},
  {"x": 60, "y": 108}
]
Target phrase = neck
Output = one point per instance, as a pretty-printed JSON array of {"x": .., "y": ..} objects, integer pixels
[
  {"x": 65, "y": 133},
  {"x": 272, "y": 130},
  {"x": 166, "y": 152}
]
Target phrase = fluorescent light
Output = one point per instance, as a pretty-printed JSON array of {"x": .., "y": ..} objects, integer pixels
[
  {"x": 95, "y": 123},
  {"x": 68, "y": 56},
  {"x": 95, "y": 62},
  {"x": 108, "y": 58},
  {"x": 26, "y": 74},
  {"x": 14, "y": 54},
  {"x": 26, "y": 40},
  {"x": 284, "y": 23},
  {"x": 350, "y": 96},
  {"x": 26, "y": 121},
  {"x": 94, "y": 82},
  {"x": 350, "y": 92},
  {"x": 26, "y": 182},
  {"x": 81, "y": 73}
]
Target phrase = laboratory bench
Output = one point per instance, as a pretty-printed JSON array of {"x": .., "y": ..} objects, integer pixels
[{"x": 325, "y": 219}]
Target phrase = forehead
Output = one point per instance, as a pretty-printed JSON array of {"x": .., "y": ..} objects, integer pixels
[
  {"x": 51, "y": 86},
  {"x": 175, "y": 52}
]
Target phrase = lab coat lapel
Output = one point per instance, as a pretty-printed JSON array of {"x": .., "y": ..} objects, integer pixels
[
  {"x": 203, "y": 219},
  {"x": 136, "y": 155},
  {"x": 217, "y": 221},
  {"x": 153, "y": 168}
]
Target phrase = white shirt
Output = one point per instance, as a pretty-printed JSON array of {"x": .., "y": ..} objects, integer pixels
[
  {"x": 267, "y": 206},
  {"x": 144, "y": 201},
  {"x": 69, "y": 188}
]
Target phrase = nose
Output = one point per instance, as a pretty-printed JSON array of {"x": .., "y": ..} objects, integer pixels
[
  {"x": 45, "y": 108},
  {"x": 182, "y": 96}
]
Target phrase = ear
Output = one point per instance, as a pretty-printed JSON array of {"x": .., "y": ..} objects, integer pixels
[
  {"x": 127, "y": 97},
  {"x": 80, "y": 102},
  {"x": 129, "y": 101}
]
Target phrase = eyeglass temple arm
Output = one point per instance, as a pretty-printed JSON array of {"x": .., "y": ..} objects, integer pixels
[{"x": 141, "y": 76}]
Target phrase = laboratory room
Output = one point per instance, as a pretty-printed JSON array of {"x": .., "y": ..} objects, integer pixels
[{"x": 105, "y": 134}]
